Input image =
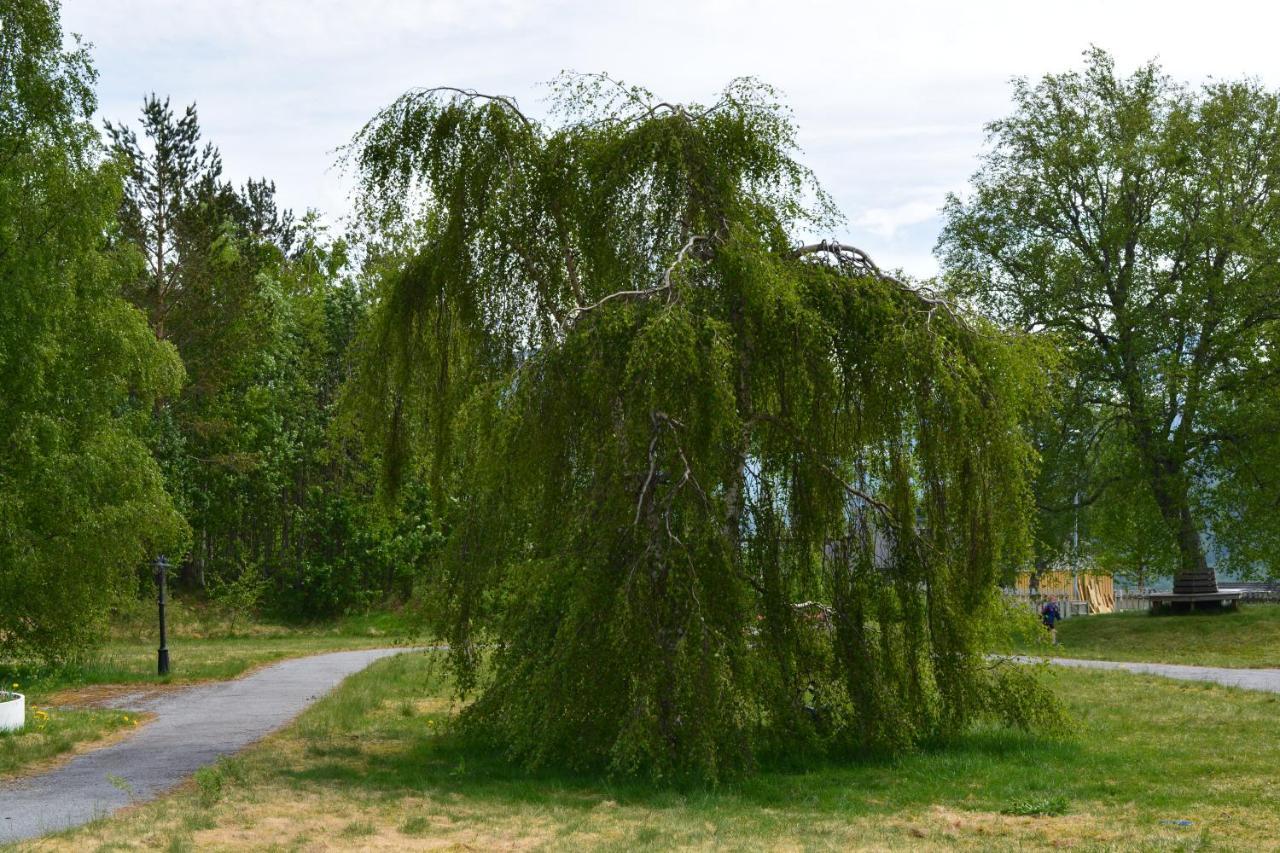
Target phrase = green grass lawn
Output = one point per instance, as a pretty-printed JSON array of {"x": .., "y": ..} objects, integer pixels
[
  {"x": 1248, "y": 637},
  {"x": 373, "y": 766},
  {"x": 203, "y": 646}
]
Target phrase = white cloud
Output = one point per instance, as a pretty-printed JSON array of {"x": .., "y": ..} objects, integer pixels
[
  {"x": 886, "y": 221},
  {"x": 890, "y": 97}
]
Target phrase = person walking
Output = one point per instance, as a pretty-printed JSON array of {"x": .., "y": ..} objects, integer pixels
[{"x": 1049, "y": 615}]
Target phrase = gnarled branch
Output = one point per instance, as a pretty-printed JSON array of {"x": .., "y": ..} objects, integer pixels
[
  {"x": 664, "y": 286},
  {"x": 853, "y": 259}
]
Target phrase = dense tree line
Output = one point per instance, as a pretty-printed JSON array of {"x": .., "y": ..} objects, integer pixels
[
  {"x": 262, "y": 311},
  {"x": 172, "y": 349}
]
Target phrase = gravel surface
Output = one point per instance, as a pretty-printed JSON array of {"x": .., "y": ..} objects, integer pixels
[
  {"x": 193, "y": 728},
  {"x": 1250, "y": 679}
]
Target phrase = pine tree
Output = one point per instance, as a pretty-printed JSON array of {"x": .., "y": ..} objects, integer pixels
[{"x": 163, "y": 184}]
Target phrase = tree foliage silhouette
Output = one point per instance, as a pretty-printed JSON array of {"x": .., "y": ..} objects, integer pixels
[{"x": 713, "y": 493}]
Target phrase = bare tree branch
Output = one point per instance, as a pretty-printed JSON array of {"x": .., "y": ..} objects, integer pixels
[
  {"x": 854, "y": 259},
  {"x": 473, "y": 95},
  {"x": 665, "y": 286}
]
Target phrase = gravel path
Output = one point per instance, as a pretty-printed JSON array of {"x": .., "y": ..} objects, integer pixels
[
  {"x": 192, "y": 728},
  {"x": 1250, "y": 679}
]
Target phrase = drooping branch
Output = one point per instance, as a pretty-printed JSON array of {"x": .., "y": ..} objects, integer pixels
[
  {"x": 645, "y": 107},
  {"x": 665, "y": 285},
  {"x": 854, "y": 260},
  {"x": 851, "y": 490},
  {"x": 473, "y": 95},
  {"x": 846, "y": 255}
]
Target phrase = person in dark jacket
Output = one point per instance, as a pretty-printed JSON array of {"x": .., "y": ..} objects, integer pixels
[{"x": 1049, "y": 615}]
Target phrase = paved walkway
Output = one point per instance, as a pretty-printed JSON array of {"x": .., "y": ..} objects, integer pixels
[
  {"x": 192, "y": 728},
  {"x": 1250, "y": 679}
]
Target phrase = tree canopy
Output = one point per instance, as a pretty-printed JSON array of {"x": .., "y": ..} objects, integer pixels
[
  {"x": 710, "y": 493},
  {"x": 82, "y": 501},
  {"x": 196, "y": 422},
  {"x": 1138, "y": 222},
  {"x": 261, "y": 309}
]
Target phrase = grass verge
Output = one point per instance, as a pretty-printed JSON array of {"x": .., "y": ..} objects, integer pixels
[
  {"x": 52, "y": 733},
  {"x": 62, "y": 717},
  {"x": 1153, "y": 764},
  {"x": 1248, "y": 637}
]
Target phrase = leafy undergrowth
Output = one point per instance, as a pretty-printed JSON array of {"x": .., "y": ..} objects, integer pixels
[
  {"x": 1248, "y": 637},
  {"x": 1152, "y": 764}
]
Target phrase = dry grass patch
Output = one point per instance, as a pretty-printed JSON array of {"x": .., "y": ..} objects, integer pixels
[
  {"x": 356, "y": 772},
  {"x": 111, "y": 695},
  {"x": 436, "y": 705}
]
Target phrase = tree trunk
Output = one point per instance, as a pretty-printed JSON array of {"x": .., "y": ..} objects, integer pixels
[
  {"x": 1194, "y": 574},
  {"x": 1165, "y": 462}
]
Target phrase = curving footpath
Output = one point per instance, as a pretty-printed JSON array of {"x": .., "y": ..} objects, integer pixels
[
  {"x": 1250, "y": 679},
  {"x": 192, "y": 728}
]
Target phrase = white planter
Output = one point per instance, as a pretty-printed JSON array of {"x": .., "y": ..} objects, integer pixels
[{"x": 13, "y": 711}]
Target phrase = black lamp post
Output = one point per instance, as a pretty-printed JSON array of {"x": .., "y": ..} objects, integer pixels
[{"x": 162, "y": 569}]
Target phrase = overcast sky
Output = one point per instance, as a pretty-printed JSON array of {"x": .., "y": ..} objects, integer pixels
[{"x": 890, "y": 96}]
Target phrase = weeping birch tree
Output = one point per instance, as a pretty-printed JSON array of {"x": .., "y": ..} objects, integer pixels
[{"x": 712, "y": 493}]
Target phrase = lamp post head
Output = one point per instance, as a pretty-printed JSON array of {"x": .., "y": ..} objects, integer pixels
[{"x": 161, "y": 566}]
